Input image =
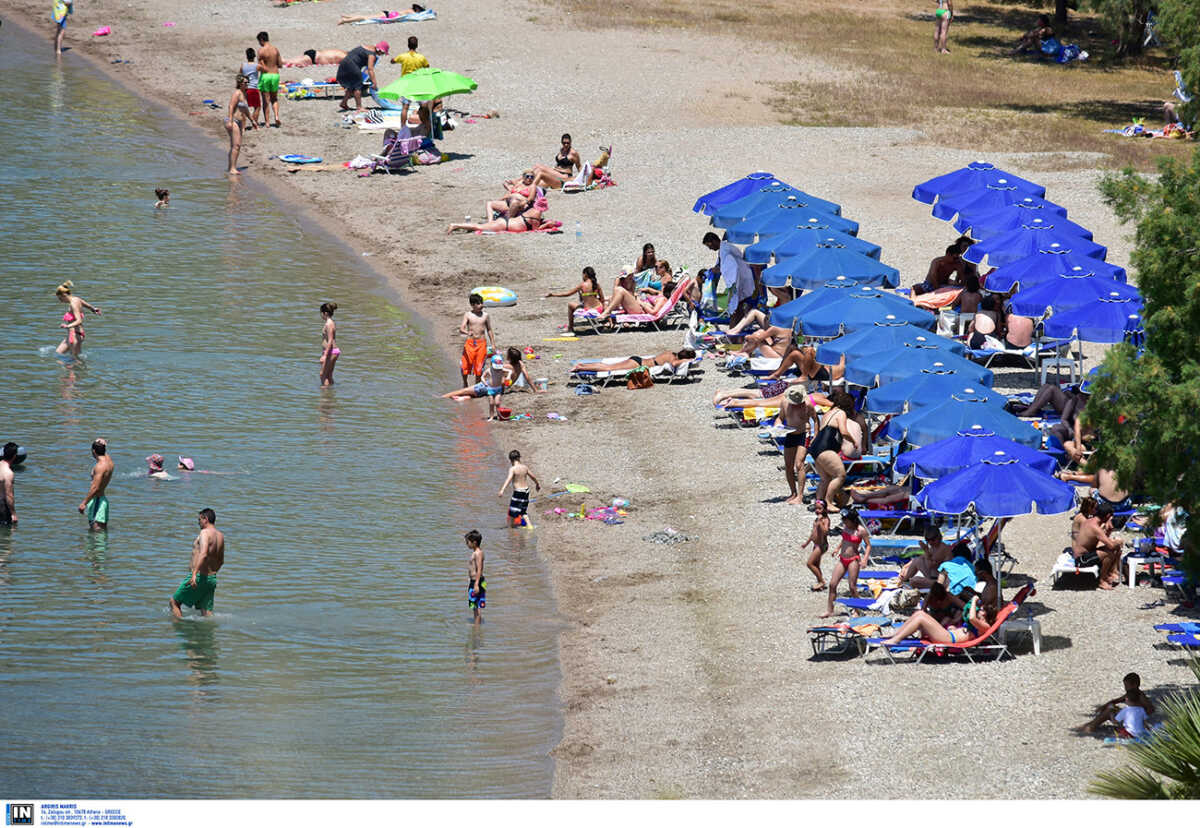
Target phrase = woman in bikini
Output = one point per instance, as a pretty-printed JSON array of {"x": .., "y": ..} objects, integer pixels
[
  {"x": 329, "y": 349},
  {"x": 852, "y": 556},
  {"x": 72, "y": 320},
  {"x": 976, "y": 617},
  {"x": 672, "y": 358},
  {"x": 238, "y": 120},
  {"x": 941, "y": 25},
  {"x": 519, "y": 197},
  {"x": 565, "y": 164},
  {"x": 625, "y": 301},
  {"x": 647, "y": 260},
  {"x": 591, "y": 298},
  {"x": 530, "y": 219},
  {"x": 804, "y": 360}
]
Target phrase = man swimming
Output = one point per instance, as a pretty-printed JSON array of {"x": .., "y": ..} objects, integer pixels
[
  {"x": 95, "y": 505},
  {"x": 208, "y": 555}
]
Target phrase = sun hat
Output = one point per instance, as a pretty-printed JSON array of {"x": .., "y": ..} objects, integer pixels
[
  {"x": 186, "y": 463},
  {"x": 156, "y": 462},
  {"x": 382, "y": 46}
]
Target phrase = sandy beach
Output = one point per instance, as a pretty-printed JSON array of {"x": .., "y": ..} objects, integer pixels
[{"x": 686, "y": 668}]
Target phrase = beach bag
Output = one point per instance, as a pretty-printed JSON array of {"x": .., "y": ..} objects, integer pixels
[
  {"x": 639, "y": 378},
  {"x": 1051, "y": 46}
]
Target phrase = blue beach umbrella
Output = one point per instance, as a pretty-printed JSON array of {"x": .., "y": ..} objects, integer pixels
[
  {"x": 768, "y": 197},
  {"x": 709, "y": 203},
  {"x": 974, "y": 176},
  {"x": 898, "y": 365},
  {"x": 803, "y": 240},
  {"x": 999, "y": 486},
  {"x": 879, "y": 337},
  {"x": 786, "y": 314},
  {"x": 1013, "y": 217},
  {"x": 1103, "y": 320},
  {"x": 929, "y": 386},
  {"x": 931, "y": 423},
  {"x": 821, "y": 264},
  {"x": 966, "y": 448},
  {"x": 987, "y": 199},
  {"x": 1037, "y": 236},
  {"x": 860, "y": 308},
  {"x": 1047, "y": 264},
  {"x": 1064, "y": 292},
  {"x": 785, "y": 218}
]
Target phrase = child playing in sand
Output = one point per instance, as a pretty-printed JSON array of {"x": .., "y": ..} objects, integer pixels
[
  {"x": 1130, "y": 719},
  {"x": 476, "y": 583},
  {"x": 518, "y": 505},
  {"x": 476, "y": 326},
  {"x": 164, "y": 198},
  {"x": 820, "y": 544}
]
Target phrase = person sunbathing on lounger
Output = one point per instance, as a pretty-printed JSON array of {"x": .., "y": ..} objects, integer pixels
[
  {"x": 880, "y": 495},
  {"x": 625, "y": 301},
  {"x": 975, "y": 619},
  {"x": 316, "y": 57},
  {"x": 531, "y": 219},
  {"x": 804, "y": 360},
  {"x": 769, "y": 394},
  {"x": 672, "y": 358}
]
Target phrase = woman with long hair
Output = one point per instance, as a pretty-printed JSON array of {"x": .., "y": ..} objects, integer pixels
[{"x": 72, "y": 320}]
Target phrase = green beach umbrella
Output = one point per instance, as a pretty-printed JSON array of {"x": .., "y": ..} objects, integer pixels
[{"x": 427, "y": 85}]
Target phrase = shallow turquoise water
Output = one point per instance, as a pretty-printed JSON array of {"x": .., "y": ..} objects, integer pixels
[{"x": 341, "y": 661}]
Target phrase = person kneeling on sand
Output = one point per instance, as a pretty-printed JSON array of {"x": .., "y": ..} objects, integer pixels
[{"x": 1128, "y": 711}]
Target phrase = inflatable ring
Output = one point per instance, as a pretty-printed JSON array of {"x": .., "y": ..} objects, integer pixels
[{"x": 496, "y": 297}]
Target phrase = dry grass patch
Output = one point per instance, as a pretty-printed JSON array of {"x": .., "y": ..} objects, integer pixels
[{"x": 884, "y": 72}]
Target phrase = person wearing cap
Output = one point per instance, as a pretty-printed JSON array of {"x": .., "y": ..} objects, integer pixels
[
  {"x": 491, "y": 385},
  {"x": 796, "y": 412},
  {"x": 95, "y": 504},
  {"x": 155, "y": 470},
  {"x": 350, "y": 71}
]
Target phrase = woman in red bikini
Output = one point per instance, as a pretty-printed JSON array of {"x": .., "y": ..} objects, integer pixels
[
  {"x": 72, "y": 320},
  {"x": 329, "y": 349},
  {"x": 852, "y": 556}
]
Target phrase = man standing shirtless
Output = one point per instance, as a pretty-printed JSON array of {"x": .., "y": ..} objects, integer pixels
[
  {"x": 269, "y": 64},
  {"x": 208, "y": 554},
  {"x": 8, "y": 505},
  {"x": 95, "y": 505}
]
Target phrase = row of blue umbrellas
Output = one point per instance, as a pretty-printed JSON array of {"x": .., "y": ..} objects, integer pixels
[
  {"x": 1059, "y": 269},
  {"x": 809, "y": 239}
]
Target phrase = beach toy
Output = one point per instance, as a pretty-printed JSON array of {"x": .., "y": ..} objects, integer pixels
[
  {"x": 496, "y": 297},
  {"x": 168, "y": 25},
  {"x": 292, "y": 158},
  {"x": 102, "y": 31},
  {"x": 541, "y": 383}
]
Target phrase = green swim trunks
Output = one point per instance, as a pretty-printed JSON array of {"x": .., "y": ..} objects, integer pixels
[
  {"x": 199, "y": 596},
  {"x": 97, "y": 510},
  {"x": 268, "y": 82}
]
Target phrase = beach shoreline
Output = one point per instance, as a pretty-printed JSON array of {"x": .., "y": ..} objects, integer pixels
[{"x": 684, "y": 667}]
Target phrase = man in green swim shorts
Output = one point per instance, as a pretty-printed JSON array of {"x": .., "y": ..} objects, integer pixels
[
  {"x": 269, "y": 64},
  {"x": 208, "y": 554},
  {"x": 95, "y": 505}
]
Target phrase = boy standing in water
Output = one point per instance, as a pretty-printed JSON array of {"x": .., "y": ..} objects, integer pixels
[
  {"x": 476, "y": 326},
  {"x": 95, "y": 505},
  {"x": 518, "y": 505},
  {"x": 476, "y": 583},
  {"x": 208, "y": 555}
]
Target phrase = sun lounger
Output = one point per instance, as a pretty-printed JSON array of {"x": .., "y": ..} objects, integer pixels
[
  {"x": 1033, "y": 354},
  {"x": 657, "y": 372},
  {"x": 1066, "y": 565},
  {"x": 839, "y": 639},
  {"x": 985, "y": 643},
  {"x": 654, "y": 319}
]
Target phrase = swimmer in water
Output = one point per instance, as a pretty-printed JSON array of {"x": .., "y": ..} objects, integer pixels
[
  {"x": 164, "y": 198},
  {"x": 155, "y": 470},
  {"x": 73, "y": 319},
  {"x": 329, "y": 350}
]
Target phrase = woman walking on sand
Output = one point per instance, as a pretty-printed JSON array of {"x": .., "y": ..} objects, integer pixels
[
  {"x": 941, "y": 25},
  {"x": 237, "y": 119},
  {"x": 329, "y": 349},
  {"x": 73, "y": 319}
]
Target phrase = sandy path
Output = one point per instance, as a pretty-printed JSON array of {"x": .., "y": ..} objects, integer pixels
[{"x": 686, "y": 668}]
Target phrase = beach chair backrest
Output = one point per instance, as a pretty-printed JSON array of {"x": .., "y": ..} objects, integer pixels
[{"x": 676, "y": 295}]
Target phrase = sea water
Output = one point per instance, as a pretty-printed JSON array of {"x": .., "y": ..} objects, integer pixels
[{"x": 341, "y": 661}]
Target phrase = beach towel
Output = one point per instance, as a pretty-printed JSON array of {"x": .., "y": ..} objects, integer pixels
[
  {"x": 577, "y": 185},
  {"x": 411, "y": 17},
  {"x": 943, "y": 297}
]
